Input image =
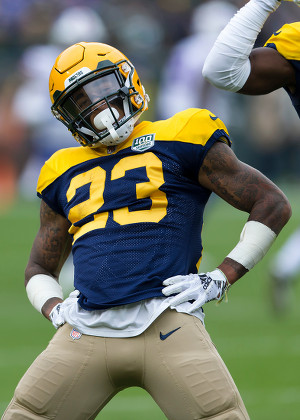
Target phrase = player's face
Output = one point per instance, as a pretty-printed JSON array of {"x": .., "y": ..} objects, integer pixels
[{"x": 94, "y": 97}]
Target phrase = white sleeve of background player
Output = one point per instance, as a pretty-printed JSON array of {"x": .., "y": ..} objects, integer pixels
[
  {"x": 255, "y": 241},
  {"x": 227, "y": 66}
]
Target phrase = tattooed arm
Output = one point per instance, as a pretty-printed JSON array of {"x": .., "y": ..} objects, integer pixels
[
  {"x": 50, "y": 249},
  {"x": 246, "y": 189}
]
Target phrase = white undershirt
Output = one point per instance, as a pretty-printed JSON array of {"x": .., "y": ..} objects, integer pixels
[{"x": 121, "y": 321}]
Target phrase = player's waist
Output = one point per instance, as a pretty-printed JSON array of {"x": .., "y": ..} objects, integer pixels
[
  {"x": 122, "y": 321},
  {"x": 91, "y": 301}
]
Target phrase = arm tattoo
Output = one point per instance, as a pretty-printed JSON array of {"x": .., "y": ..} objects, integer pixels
[
  {"x": 243, "y": 187},
  {"x": 51, "y": 241},
  {"x": 236, "y": 184}
]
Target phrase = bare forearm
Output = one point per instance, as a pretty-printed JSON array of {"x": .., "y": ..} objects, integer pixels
[
  {"x": 50, "y": 249},
  {"x": 232, "y": 270},
  {"x": 51, "y": 246},
  {"x": 255, "y": 241},
  {"x": 273, "y": 211},
  {"x": 49, "y": 305},
  {"x": 34, "y": 269}
]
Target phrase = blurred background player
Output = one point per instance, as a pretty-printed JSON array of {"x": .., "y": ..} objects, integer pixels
[
  {"x": 234, "y": 65},
  {"x": 180, "y": 86}
]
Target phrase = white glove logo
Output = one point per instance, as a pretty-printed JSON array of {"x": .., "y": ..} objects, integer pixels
[{"x": 56, "y": 315}]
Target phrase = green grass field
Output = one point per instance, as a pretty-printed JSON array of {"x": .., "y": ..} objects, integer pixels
[{"x": 261, "y": 350}]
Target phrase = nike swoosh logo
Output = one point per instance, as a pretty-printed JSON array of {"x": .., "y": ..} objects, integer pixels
[
  {"x": 277, "y": 33},
  {"x": 164, "y": 336},
  {"x": 213, "y": 118}
]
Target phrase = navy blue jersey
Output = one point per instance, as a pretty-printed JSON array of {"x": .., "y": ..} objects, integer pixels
[
  {"x": 137, "y": 209},
  {"x": 286, "y": 41}
]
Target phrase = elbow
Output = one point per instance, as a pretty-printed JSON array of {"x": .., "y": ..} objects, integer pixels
[
  {"x": 210, "y": 75},
  {"x": 28, "y": 275},
  {"x": 273, "y": 210},
  {"x": 225, "y": 72},
  {"x": 285, "y": 208},
  {"x": 218, "y": 76},
  {"x": 281, "y": 212},
  {"x": 287, "y": 211},
  {"x": 206, "y": 73}
]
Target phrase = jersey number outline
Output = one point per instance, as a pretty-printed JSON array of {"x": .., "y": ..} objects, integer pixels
[{"x": 96, "y": 177}]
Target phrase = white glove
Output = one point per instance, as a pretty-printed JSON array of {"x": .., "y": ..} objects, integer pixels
[
  {"x": 56, "y": 315},
  {"x": 201, "y": 288}
]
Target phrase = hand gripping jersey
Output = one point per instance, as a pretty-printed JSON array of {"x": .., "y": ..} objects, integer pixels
[
  {"x": 287, "y": 42},
  {"x": 136, "y": 211}
]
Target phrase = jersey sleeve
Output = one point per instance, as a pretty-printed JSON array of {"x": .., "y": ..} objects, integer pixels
[
  {"x": 286, "y": 41},
  {"x": 54, "y": 175},
  {"x": 48, "y": 188},
  {"x": 201, "y": 131},
  {"x": 203, "y": 125}
]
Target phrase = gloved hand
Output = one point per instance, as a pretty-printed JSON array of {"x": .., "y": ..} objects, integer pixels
[
  {"x": 56, "y": 315},
  {"x": 201, "y": 288}
]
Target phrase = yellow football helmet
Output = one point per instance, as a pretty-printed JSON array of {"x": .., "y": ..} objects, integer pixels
[{"x": 96, "y": 93}]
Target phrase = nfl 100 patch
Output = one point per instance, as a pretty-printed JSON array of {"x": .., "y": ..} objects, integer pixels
[
  {"x": 140, "y": 144},
  {"x": 75, "y": 334}
]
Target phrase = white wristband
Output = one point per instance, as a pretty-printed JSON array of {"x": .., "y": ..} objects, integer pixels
[
  {"x": 42, "y": 287},
  {"x": 255, "y": 241}
]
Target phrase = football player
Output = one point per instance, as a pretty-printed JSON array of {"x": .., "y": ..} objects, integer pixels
[
  {"x": 233, "y": 64},
  {"x": 130, "y": 203}
]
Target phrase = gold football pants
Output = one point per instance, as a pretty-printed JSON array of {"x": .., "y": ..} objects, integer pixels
[{"x": 174, "y": 360}]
